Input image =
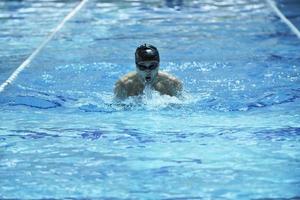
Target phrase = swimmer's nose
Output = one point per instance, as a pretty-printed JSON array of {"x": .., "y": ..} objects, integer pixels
[{"x": 148, "y": 72}]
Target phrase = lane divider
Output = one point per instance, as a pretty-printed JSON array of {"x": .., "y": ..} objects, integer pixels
[
  {"x": 283, "y": 18},
  {"x": 15, "y": 74}
]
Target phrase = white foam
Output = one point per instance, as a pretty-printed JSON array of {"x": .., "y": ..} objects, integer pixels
[
  {"x": 283, "y": 18},
  {"x": 153, "y": 100},
  {"x": 15, "y": 74}
]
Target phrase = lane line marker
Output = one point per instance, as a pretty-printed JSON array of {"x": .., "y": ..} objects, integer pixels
[
  {"x": 283, "y": 18},
  {"x": 15, "y": 74}
]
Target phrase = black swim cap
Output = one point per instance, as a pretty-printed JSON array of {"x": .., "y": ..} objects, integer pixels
[{"x": 146, "y": 52}]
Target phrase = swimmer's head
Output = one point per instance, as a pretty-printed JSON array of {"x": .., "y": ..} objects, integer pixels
[
  {"x": 146, "y": 52},
  {"x": 147, "y": 62}
]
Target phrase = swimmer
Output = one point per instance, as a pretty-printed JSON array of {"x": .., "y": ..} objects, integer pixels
[{"x": 147, "y": 74}]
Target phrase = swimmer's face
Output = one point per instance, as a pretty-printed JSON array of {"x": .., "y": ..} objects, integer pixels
[{"x": 147, "y": 70}]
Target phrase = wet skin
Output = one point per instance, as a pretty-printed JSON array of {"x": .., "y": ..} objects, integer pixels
[{"x": 134, "y": 83}]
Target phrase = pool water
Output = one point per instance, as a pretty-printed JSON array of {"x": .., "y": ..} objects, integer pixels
[{"x": 234, "y": 135}]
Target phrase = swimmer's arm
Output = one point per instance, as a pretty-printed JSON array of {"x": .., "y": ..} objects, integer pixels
[
  {"x": 120, "y": 91},
  {"x": 171, "y": 84},
  {"x": 178, "y": 88}
]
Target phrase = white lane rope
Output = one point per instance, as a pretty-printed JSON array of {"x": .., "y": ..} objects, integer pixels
[
  {"x": 15, "y": 74},
  {"x": 283, "y": 18}
]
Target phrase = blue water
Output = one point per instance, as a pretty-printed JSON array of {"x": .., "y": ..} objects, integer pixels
[{"x": 234, "y": 135}]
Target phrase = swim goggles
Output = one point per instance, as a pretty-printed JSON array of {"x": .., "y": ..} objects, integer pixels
[{"x": 152, "y": 66}]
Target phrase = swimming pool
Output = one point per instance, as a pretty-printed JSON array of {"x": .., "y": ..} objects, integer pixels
[{"x": 235, "y": 135}]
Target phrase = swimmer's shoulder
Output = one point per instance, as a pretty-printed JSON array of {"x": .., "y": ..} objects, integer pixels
[
  {"x": 166, "y": 78},
  {"x": 127, "y": 80},
  {"x": 125, "y": 85},
  {"x": 170, "y": 83},
  {"x": 131, "y": 76}
]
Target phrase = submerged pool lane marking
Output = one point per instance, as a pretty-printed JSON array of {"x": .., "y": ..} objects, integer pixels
[
  {"x": 15, "y": 74},
  {"x": 283, "y": 18}
]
